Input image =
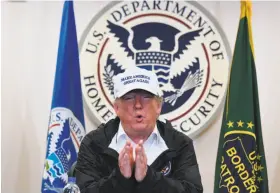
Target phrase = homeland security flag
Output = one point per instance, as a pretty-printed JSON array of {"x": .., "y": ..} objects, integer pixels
[
  {"x": 66, "y": 124},
  {"x": 241, "y": 165}
]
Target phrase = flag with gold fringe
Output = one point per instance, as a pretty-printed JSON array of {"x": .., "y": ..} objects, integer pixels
[{"x": 241, "y": 164}]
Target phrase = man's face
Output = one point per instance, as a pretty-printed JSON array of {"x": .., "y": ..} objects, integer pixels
[{"x": 138, "y": 111}]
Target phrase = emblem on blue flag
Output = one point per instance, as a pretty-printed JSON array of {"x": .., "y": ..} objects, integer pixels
[
  {"x": 66, "y": 124},
  {"x": 64, "y": 136}
]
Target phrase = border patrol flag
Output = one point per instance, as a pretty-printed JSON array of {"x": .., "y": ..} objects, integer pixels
[
  {"x": 241, "y": 164},
  {"x": 66, "y": 124}
]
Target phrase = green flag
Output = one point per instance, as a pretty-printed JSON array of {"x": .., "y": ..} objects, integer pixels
[{"x": 240, "y": 164}]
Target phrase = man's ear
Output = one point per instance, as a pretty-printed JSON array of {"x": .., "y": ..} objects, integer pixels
[
  {"x": 159, "y": 108},
  {"x": 116, "y": 107}
]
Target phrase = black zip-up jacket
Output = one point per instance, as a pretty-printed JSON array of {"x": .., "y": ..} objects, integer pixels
[{"x": 174, "y": 171}]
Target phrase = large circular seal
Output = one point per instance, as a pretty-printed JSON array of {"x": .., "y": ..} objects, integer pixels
[{"x": 180, "y": 41}]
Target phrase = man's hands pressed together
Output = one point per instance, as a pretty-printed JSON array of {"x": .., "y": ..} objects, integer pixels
[
  {"x": 127, "y": 162},
  {"x": 140, "y": 162}
]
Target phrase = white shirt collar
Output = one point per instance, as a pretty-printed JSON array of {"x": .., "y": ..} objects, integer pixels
[{"x": 121, "y": 134}]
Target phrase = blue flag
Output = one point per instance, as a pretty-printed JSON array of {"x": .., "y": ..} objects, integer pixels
[{"x": 66, "y": 125}]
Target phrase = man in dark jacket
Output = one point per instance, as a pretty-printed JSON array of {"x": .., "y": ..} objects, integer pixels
[{"x": 135, "y": 152}]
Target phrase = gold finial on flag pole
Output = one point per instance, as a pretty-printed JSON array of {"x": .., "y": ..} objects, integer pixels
[{"x": 246, "y": 8}]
